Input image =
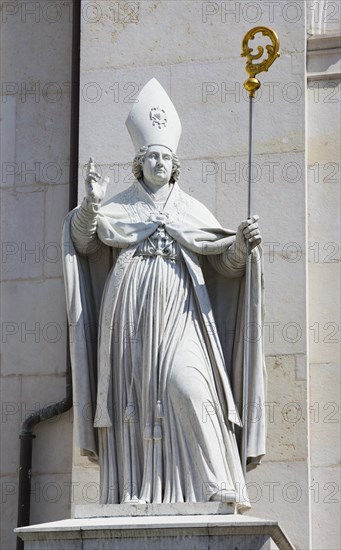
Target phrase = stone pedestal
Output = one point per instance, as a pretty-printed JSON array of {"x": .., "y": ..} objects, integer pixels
[
  {"x": 190, "y": 532},
  {"x": 172, "y": 509}
]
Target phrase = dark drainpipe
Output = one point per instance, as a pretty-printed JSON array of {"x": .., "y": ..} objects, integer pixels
[{"x": 26, "y": 434}]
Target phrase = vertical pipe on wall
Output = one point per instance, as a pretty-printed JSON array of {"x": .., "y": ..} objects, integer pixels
[{"x": 26, "y": 434}]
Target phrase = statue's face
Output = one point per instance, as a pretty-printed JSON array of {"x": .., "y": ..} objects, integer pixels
[{"x": 157, "y": 165}]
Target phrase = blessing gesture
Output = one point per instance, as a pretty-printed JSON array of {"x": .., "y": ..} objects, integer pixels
[{"x": 95, "y": 188}]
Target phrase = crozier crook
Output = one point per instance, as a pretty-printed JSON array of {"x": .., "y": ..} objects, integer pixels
[{"x": 252, "y": 84}]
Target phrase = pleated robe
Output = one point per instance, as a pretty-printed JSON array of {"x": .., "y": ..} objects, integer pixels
[{"x": 165, "y": 411}]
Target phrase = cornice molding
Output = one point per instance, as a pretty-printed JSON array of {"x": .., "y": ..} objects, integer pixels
[
  {"x": 324, "y": 42},
  {"x": 323, "y": 57}
]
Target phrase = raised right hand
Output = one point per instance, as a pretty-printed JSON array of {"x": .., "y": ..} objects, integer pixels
[{"x": 95, "y": 188}]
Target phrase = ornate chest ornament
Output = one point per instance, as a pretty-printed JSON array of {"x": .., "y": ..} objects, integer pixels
[{"x": 160, "y": 244}]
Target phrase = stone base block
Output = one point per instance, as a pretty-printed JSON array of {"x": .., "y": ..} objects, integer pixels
[
  {"x": 208, "y": 532},
  {"x": 138, "y": 509}
]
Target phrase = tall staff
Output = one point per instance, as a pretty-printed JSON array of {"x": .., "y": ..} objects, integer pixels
[{"x": 251, "y": 85}]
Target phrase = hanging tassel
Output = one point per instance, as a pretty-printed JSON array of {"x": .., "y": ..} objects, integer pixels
[
  {"x": 129, "y": 413},
  {"x": 157, "y": 434},
  {"x": 157, "y": 430},
  {"x": 148, "y": 432},
  {"x": 159, "y": 410},
  {"x": 157, "y": 462}
]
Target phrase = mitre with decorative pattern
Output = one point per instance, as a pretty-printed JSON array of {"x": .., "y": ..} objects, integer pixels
[{"x": 153, "y": 120}]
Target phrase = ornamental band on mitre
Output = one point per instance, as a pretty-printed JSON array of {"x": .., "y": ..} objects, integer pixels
[{"x": 153, "y": 120}]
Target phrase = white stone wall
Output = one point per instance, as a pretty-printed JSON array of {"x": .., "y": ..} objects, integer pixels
[
  {"x": 193, "y": 49},
  {"x": 324, "y": 286},
  {"x": 35, "y": 124},
  {"x": 323, "y": 17}
]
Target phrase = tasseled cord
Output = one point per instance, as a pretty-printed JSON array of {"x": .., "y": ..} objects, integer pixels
[
  {"x": 158, "y": 417},
  {"x": 149, "y": 432}
]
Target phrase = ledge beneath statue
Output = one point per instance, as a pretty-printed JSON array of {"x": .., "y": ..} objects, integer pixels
[{"x": 214, "y": 532}]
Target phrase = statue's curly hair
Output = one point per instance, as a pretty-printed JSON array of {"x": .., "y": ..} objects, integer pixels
[{"x": 138, "y": 161}]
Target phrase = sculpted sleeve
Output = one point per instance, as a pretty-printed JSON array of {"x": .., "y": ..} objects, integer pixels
[
  {"x": 84, "y": 228},
  {"x": 230, "y": 263}
]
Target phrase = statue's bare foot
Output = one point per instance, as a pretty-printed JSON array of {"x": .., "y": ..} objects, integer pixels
[{"x": 224, "y": 496}]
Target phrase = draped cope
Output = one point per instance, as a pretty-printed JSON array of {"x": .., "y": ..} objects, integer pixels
[{"x": 155, "y": 296}]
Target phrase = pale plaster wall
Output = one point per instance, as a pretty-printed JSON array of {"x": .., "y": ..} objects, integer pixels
[
  {"x": 193, "y": 49},
  {"x": 35, "y": 123},
  {"x": 323, "y": 17},
  {"x": 324, "y": 157}
]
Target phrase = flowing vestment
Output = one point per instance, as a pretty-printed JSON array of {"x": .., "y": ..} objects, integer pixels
[{"x": 165, "y": 413}]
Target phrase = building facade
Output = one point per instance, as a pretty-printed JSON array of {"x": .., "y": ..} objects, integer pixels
[{"x": 193, "y": 48}]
